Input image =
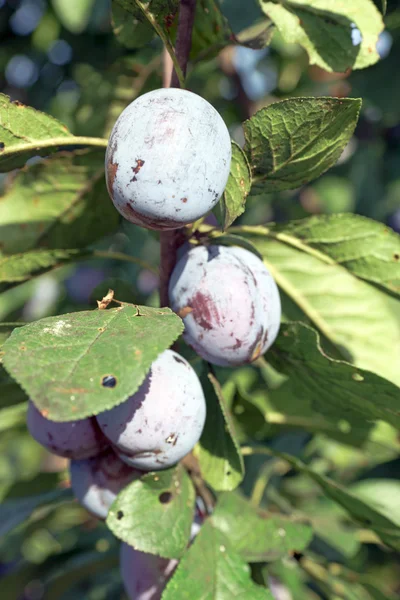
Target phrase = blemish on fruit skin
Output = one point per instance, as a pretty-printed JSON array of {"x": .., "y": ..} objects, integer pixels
[{"x": 205, "y": 311}]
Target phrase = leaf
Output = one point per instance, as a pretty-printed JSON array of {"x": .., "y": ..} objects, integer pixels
[
  {"x": 61, "y": 361},
  {"x": 218, "y": 452},
  {"x": 237, "y": 189},
  {"x": 383, "y": 494},
  {"x": 211, "y": 30},
  {"x": 255, "y": 534},
  {"x": 155, "y": 513},
  {"x": 291, "y": 142},
  {"x": 366, "y": 248},
  {"x": 211, "y": 568},
  {"x": 131, "y": 29},
  {"x": 20, "y": 267},
  {"x": 12, "y": 416},
  {"x": 361, "y": 511},
  {"x": 332, "y": 388},
  {"x": 352, "y": 315},
  {"x": 16, "y": 511},
  {"x": 74, "y": 14},
  {"x": 336, "y": 35},
  {"x": 26, "y": 132},
  {"x": 160, "y": 14},
  {"x": 61, "y": 202}
]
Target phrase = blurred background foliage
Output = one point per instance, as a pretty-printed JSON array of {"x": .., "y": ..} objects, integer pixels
[{"x": 61, "y": 56}]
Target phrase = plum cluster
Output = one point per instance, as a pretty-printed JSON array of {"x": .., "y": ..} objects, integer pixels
[
  {"x": 153, "y": 429},
  {"x": 167, "y": 165}
]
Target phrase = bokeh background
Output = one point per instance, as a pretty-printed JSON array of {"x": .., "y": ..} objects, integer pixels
[{"x": 60, "y": 56}]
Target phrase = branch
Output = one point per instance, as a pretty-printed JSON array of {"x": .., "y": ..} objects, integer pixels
[
  {"x": 171, "y": 240},
  {"x": 184, "y": 37}
]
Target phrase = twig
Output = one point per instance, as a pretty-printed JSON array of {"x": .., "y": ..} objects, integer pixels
[
  {"x": 184, "y": 37},
  {"x": 171, "y": 240}
]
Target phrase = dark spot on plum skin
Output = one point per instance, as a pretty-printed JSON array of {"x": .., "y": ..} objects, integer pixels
[
  {"x": 120, "y": 515},
  {"x": 2, "y": 145},
  {"x": 204, "y": 311},
  {"x": 258, "y": 343},
  {"x": 179, "y": 360},
  {"x": 139, "y": 165}
]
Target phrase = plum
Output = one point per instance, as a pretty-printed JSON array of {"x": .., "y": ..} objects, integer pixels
[
  {"x": 70, "y": 439},
  {"x": 168, "y": 159},
  {"x": 229, "y": 303},
  {"x": 97, "y": 481},
  {"x": 163, "y": 420},
  {"x": 146, "y": 575}
]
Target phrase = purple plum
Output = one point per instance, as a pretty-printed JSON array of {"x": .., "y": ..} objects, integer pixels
[
  {"x": 70, "y": 439},
  {"x": 229, "y": 303},
  {"x": 157, "y": 426},
  {"x": 146, "y": 575},
  {"x": 97, "y": 481},
  {"x": 168, "y": 159}
]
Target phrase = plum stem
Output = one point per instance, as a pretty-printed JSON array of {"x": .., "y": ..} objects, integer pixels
[
  {"x": 183, "y": 44},
  {"x": 171, "y": 240}
]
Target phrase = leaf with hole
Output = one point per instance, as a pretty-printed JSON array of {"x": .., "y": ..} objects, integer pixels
[
  {"x": 155, "y": 513},
  {"x": 67, "y": 359}
]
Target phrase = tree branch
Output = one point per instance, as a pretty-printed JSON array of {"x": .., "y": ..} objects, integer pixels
[
  {"x": 171, "y": 240},
  {"x": 184, "y": 37}
]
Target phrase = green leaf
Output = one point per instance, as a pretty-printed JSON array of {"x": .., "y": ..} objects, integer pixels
[
  {"x": 11, "y": 393},
  {"x": 256, "y": 36},
  {"x": 12, "y": 416},
  {"x": 383, "y": 494},
  {"x": 211, "y": 31},
  {"x": 361, "y": 511},
  {"x": 26, "y": 132},
  {"x": 291, "y": 142},
  {"x": 155, "y": 513},
  {"x": 212, "y": 569},
  {"x": 218, "y": 452},
  {"x": 237, "y": 189},
  {"x": 61, "y": 361},
  {"x": 61, "y": 202},
  {"x": 74, "y": 14},
  {"x": 348, "y": 312},
  {"x": 160, "y": 14},
  {"x": 366, "y": 248},
  {"x": 131, "y": 29},
  {"x": 15, "y": 511},
  {"x": 332, "y": 388},
  {"x": 20, "y": 267},
  {"x": 257, "y": 535},
  {"x": 325, "y": 29}
]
